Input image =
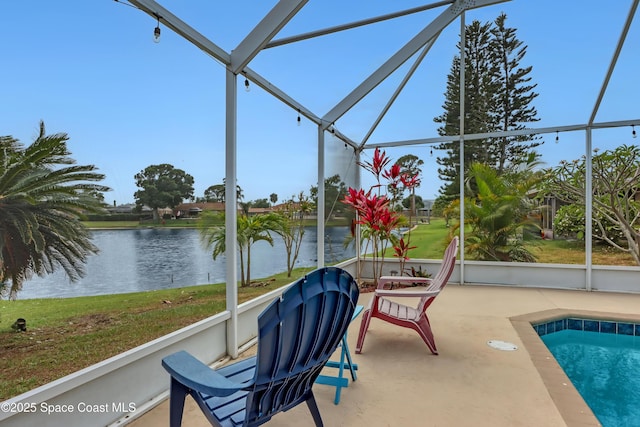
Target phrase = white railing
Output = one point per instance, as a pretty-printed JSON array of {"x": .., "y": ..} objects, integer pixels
[
  {"x": 123, "y": 387},
  {"x": 523, "y": 274}
]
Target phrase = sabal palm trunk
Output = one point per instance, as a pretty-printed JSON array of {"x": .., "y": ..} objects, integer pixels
[
  {"x": 241, "y": 268},
  {"x": 248, "y": 281}
]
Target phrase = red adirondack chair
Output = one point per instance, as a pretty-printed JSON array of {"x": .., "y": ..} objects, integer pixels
[{"x": 407, "y": 316}]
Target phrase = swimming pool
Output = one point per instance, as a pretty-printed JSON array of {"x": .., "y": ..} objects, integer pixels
[{"x": 602, "y": 360}]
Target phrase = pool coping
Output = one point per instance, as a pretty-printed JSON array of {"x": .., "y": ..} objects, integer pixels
[{"x": 570, "y": 404}]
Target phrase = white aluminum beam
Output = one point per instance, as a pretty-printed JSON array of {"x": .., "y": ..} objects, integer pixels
[
  {"x": 279, "y": 94},
  {"x": 463, "y": 42},
  {"x": 231, "y": 210},
  {"x": 614, "y": 60},
  {"x": 335, "y": 132},
  {"x": 287, "y": 100},
  {"x": 398, "y": 90},
  {"x": 181, "y": 28},
  {"x": 527, "y": 131},
  {"x": 262, "y": 33},
  {"x": 402, "y": 55},
  {"x": 320, "y": 211},
  {"x": 344, "y": 27},
  {"x": 588, "y": 208}
]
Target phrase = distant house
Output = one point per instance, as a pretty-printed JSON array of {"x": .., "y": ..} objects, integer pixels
[
  {"x": 545, "y": 211},
  {"x": 286, "y": 205},
  {"x": 193, "y": 210},
  {"x": 259, "y": 211},
  {"x": 164, "y": 212},
  {"x": 126, "y": 208},
  {"x": 295, "y": 207}
]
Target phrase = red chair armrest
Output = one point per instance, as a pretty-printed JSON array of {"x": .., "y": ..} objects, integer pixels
[{"x": 406, "y": 293}]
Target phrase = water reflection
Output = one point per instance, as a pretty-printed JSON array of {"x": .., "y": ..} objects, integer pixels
[{"x": 147, "y": 259}]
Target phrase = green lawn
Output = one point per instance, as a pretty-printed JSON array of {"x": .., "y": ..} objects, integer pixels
[
  {"x": 67, "y": 334},
  {"x": 431, "y": 240}
]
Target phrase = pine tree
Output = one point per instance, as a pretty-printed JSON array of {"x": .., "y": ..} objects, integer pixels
[
  {"x": 478, "y": 85},
  {"x": 497, "y": 98},
  {"x": 514, "y": 95}
]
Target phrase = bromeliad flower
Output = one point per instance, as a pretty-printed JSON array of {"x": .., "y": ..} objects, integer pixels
[{"x": 401, "y": 250}]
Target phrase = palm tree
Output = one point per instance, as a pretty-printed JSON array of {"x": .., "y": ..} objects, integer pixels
[
  {"x": 499, "y": 210},
  {"x": 250, "y": 230},
  {"x": 290, "y": 226},
  {"x": 410, "y": 165},
  {"x": 43, "y": 196}
]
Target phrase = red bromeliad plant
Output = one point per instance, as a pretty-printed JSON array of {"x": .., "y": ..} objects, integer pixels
[
  {"x": 401, "y": 251},
  {"x": 375, "y": 214}
]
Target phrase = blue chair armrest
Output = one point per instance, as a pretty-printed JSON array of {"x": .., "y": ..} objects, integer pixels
[{"x": 195, "y": 375}]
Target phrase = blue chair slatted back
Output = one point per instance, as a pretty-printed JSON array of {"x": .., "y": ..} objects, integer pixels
[{"x": 297, "y": 334}]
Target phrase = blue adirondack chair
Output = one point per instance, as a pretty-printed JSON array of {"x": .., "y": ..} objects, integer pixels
[{"x": 297, "y": 333}]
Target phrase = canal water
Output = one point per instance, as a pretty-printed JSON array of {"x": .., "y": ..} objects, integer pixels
[{"x": 149, "y": 259}]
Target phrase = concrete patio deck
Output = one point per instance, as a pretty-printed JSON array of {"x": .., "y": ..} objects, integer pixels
[{"x": 400, "y": 383}]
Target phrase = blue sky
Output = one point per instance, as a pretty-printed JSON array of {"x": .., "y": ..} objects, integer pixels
[{"x": 90, "y": 69}]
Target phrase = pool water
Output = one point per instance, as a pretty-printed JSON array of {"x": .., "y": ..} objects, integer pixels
[{"x": 605, "y": 368}]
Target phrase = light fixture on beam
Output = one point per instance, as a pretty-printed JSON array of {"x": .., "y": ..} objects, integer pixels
[
  {"x": 633, "y": 131},
  {"x": 247, "y": 86},
  {"x": 156, "y": 31},
  {"x": 298, "y": 117}
]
